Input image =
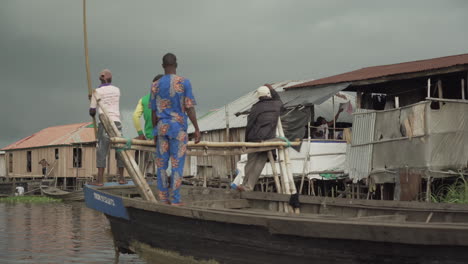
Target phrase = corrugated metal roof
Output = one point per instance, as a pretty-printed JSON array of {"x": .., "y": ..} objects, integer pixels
[
  {"x": 57, "y": 135},
  {"x": 217, "y": 118},
  {"x": 391, "y": 69}
]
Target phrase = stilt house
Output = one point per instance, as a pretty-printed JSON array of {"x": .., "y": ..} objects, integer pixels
[
  {"x": 70, "y": 151},
  {"x": 411, "y": 126}
]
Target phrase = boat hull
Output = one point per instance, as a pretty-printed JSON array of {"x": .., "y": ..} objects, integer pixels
[
  {"x": 235, "y": 243},
  {"x": 249, "y": 236}
]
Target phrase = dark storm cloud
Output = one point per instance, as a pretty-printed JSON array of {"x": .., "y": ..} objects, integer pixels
[{"x": 225, "y": 48}]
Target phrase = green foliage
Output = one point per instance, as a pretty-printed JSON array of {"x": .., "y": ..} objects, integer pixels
[
  {"x": 29, "y": 199},
  {"x": 456, "y": 192}
]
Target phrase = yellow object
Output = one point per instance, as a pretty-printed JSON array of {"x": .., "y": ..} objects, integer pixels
[{"x": 136, "y": 117}]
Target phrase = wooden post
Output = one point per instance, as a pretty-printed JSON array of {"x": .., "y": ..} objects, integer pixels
[
  {"x": 439, "y": 89},
  {"x": 358, "y": 100},
  {"x": 228, "y": 158},
  {"x": 334, "y": 119},
  {"x": 428, "y": 189},
  {"x": 129, "y": 162},
  {"x": 428, "y": 87},
  {"x": 305, "y": 166},
  {"x": 463, "y": 89}
]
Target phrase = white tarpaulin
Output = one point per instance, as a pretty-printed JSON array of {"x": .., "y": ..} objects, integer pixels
[{"x": 324, "y": 156}]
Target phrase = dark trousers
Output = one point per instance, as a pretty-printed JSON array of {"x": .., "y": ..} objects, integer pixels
[{"x": 255, "y": 163}]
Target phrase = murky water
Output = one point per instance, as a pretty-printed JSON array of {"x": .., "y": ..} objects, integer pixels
[{"x": 56, "y": 233}]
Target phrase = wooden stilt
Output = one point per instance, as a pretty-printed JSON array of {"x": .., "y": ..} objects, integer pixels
[
  {"x": 305, "y": 166},
  {"x": 428, "y": 189}
]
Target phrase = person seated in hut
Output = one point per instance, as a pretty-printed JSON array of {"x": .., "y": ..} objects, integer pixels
[
  {"x": 261, "y": 126},
  {"x": 321, "y": 126}
]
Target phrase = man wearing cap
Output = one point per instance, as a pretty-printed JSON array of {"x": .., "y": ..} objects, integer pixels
[
  {"x": 110, "y": 97},
  {"x": 261, "y": 126},
  {"x": 172, "y": 101},
  {"x": 143, "y": 108}
]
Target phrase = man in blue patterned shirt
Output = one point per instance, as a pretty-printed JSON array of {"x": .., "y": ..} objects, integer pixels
[{"x": 172, "y": 101}]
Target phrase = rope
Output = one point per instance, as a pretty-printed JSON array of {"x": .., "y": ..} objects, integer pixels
[
  {"x": 288, "y": 143},
  {"x": 127, "y": 146}
]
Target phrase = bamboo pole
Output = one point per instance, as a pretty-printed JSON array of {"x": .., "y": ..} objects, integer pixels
[
  {"x": 88, "y": 74},
  {"x": 129, "y": 162},
  {"x": 291, "y": 185},
  {"x": 201, "y": 144},
  {"x": 205, "y": 152},
  {"x": 284, "y": 179},
  {"x": 276, "y": 178},
  {"x": 228, "y": 159}
]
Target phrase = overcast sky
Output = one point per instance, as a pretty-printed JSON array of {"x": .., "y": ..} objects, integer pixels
[{"x": 226, "y": 48}]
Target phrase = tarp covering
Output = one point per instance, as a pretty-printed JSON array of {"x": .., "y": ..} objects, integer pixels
[
  {"x": 412, "y": 137},
  {"x": 325, "y": 156},
  {"x": 294, "y": 124},
  {"x": 310, "y": 96}
]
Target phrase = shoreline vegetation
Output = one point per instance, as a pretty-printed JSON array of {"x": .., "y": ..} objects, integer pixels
[
  {"x": 29, "y": 199},
  {"x": 456, "y": 192}
]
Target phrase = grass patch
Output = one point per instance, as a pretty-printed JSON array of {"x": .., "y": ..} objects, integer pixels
[
  {"x": 29, "y": 199},
  {"x": 456, "y": 192}
]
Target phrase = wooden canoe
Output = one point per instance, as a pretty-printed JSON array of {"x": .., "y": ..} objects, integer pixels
[
  {"x": 57, "y": 193},
  {"x": 233, "y": 227}
]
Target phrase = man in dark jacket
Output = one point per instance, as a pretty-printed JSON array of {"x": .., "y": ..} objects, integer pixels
[{"x": 261, "y": 126}]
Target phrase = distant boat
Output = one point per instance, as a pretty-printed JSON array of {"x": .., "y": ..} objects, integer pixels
[
  {"x": 233, "y": 227},
  {"x": 57, "y": 193}
]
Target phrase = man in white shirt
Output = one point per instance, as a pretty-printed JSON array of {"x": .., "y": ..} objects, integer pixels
[{"x": 110, "y": 97}]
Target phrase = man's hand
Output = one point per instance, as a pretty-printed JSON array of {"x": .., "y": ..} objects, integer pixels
[
  {"x": 141, "y": 137},
  {"x": 197, "y": 136}
]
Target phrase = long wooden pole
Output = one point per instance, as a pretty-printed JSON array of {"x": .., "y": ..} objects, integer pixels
[
  {"x": 209, "y": 144},
  {"x": 291, "y": 185},
  {"x": 88, "y": 74}
]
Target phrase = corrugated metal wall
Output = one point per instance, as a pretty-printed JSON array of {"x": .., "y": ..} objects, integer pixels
[{"x": 359, "y": 158}]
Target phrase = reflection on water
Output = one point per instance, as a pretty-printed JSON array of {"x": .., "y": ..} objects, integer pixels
[{"x": 56, "y": 233}]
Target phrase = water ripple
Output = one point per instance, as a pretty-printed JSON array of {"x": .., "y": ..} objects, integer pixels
[{"x": 56, "y": 233}]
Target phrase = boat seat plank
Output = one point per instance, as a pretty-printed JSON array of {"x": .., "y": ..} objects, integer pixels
[{"x": 222, "y": 204}]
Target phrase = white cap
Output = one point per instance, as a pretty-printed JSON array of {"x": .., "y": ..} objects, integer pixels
[{"x": 263, "y": 91}]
